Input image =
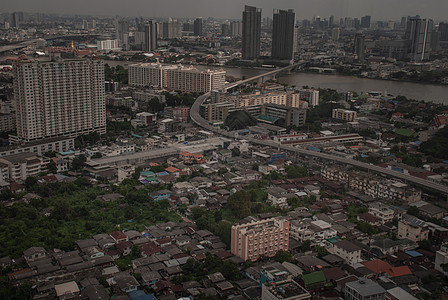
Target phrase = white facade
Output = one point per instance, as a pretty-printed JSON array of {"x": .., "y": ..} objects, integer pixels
[
  {"x": 310, "y": 95},
  {"x": 59, "y": 98},
  {"x": 186, "y": 79},
  {"x": 107, "y": 45}
]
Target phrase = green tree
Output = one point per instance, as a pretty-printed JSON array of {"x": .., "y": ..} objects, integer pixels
[
  {"x": 62, "y": 210},
  {"x": 78, "y": 162},
  {"x": 282, "y": 256},
  {"x": 52, "y": 168}
]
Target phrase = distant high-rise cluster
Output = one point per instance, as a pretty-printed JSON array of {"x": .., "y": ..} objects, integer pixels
[
  {"x": 283, "y": 33},
  {"x": 146, "y": 36}
]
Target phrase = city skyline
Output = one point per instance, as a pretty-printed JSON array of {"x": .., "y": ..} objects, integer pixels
[{"x": 434, "y": 9}]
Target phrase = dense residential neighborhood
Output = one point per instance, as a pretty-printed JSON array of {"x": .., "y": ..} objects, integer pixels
[{"x": 179, "y": 159}]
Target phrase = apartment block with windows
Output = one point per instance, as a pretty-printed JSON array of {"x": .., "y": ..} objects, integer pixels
[
  {"x": 254, "y": 238},
  {"x": 344, "y": 115},
  {"x": 182, "y": 78},
  {"x": 59, "y": 98}
]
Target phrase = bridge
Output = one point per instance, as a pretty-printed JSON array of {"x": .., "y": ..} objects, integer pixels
[{"x": 195, "y": 117}]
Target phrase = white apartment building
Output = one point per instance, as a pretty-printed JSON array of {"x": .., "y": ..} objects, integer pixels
[
  {"x": 21, "y": 166},
  {"x": 107, "y": 45},
  {"x": 182, "y": 78},
  {"x": 348, "y": 251},
  {"x": 59, "y": 98},
  {"x": 381, "y": 211},
  {"x": 310, "y": 95},
  {"x": 344, "y": 115},
  {"x": 413, "y": 229}
]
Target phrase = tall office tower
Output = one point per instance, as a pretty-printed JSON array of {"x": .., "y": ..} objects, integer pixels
[
  {"x": 236, "y": 28},
  {"x": 170, "y": 30},
  {"x": 418, "y": 35},
  {"x": 283, "y": 34},
  {"x": 251, "y": 32},
  {"x": 365, "y": 22},
  {"x": 335, "y": 33},
  {"x": 122, "y": 34},
  {"x": 331, "y": 22},
  {"x": 403, "y": 22},
  {"x": 360, "y": 46},
  {"x": 225, "y": 29},
  {"x": 59, "y": 98},
  {"x": 197, "y": 30},
  {"x": 15, "y": 20},
  {"x": 443, "y": 29},
  {"x": 150, "y": 36}
]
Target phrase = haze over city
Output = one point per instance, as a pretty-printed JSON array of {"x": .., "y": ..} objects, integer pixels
[{"x": 379, "y": 10}]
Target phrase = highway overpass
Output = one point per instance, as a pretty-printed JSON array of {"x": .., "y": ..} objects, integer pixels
[{"x": 194, "y": 114}]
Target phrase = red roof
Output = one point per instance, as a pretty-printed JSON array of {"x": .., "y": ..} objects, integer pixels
[
  {"x": 377, "y": 266},
  {"x": 149, "y": 248},
  {"x": 172, "y": 169},
  {"x": 118, "y": 235},
  {"x": 399, "y": 271}
]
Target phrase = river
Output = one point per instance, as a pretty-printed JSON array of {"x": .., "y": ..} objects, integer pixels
[{"x": 417, "y": 91}]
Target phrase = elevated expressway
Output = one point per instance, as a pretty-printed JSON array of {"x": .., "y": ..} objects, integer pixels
[{"x": 194, "y": 114}]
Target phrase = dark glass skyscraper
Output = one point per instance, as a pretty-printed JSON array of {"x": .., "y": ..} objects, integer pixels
[
  {"x": 418, "y": 34},
  {"x": 283, "y": 34},
  {"x": 198, "y": 27},
  {"x": 251, "y": 32}
]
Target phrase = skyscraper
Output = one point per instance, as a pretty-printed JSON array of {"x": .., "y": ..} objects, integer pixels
[
  {"x": 283, "y": 34},
  {"x": 251, "y": 32},
  {"x": 59, "y": 98},
  {"x": 122, "y": 34},
  {"x": 365, "y": 22},
  {"x": 359, "y": 46},
  {"x": 150, "y": 36},
  {"x": 197, "y": 29},
  {"x": 418, "y": 35},
  {"x": 236, "y": 28},
  {"x": 443, "y": 29}
]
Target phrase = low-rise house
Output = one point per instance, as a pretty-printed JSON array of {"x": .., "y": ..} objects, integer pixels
[
  {"x": 34, "y": 253},
  {"x": 369, "y": 218},
  {"x": 413, "y": 229},
  {"x": 110, "y": 197},
  {"x": 364, "y": 289},
  {"x": 126, "y": 282},
  {"x": 350, "y": 252},
  {"x": 68, "y": 290},
  {"x": 124, "y": 247},
  {"x": 119, "y": 236},
  {"x": 160, "y": 195},
  {"x": 381, "y": 211}
]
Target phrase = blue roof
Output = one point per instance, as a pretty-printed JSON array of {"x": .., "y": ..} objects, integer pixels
[
  {"x": 141, "y": 295},
  {"x": 312, "y": 148},
  {"x": 136, "y": 135},
  {"x": 445, "y": 161},
  {"x": 162, "y": 173},
  {"x": 67, "y": 152},
  {"x": 413, "y": 253},
  {"x": 417, "y": 142}
]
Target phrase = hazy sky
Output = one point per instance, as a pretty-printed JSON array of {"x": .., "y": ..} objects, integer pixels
[{"x": 378, "y": 9}]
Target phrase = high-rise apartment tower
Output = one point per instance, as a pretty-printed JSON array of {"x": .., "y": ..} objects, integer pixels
[{"x": 59, "y": 98}]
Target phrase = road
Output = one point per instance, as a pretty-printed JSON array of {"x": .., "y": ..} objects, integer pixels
[{"x": 194, "y": 114}]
